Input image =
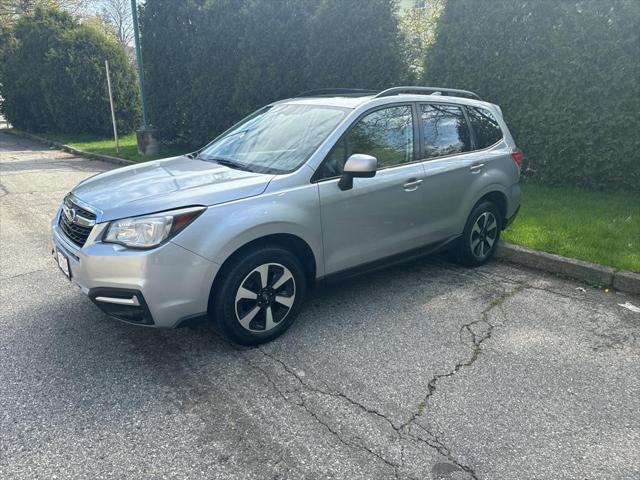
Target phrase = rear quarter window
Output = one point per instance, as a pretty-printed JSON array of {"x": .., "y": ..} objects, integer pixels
[{"x": 485, "y": 126}]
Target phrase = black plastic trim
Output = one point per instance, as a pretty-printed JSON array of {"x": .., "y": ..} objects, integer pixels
[
  {"x": 511, "y": 218},
  {"x": 396, "y": 259},
  {"x": 135, "y": 314}
]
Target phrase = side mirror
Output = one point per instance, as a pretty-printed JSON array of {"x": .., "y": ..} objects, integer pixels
[{"x": 357, "y": 165}]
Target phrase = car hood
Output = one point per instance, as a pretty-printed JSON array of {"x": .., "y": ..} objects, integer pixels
[{"x": 166, "y": 184}]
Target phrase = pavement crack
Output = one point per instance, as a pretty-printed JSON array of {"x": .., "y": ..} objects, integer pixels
[
  {"x": 475, "y": 332},
  {"x": 22, "y": 274},
  {"x": 303, "y": 404},
  {"x": 477, "y": 336},
  {"x": 341, "y": 395}
]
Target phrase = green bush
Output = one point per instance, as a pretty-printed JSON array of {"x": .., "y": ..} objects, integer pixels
[
  {"x": 210, "y": 62},
  {"x": 566, "y": 75},
  {"x": 355, "y": 44},
  {"x": 53, "y": 77}
]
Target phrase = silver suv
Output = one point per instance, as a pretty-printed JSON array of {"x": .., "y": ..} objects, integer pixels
[{"x": 304, "y": 189}]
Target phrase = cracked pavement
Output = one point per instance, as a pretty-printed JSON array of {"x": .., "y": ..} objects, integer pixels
[{"x": 420, "y": 371}]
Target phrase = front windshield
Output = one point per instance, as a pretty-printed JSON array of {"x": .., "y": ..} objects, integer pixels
[{"x": 275, "y": 139}]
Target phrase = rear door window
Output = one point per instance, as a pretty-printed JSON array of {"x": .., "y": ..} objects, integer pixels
[
  {"x": 445, "y": 130},
  {"x": 485, "y": 126}
]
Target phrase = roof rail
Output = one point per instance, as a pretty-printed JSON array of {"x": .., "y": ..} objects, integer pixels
[
  {"x": 328, "y": 92},
  {"x": 428, "y": 91}
]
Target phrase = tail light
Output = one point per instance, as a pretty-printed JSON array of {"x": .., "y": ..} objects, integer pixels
[{"x": 517, "y": 156}]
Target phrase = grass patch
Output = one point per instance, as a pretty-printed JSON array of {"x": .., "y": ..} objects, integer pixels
[
  {"x": 128, "y": 146},
  {"x": 597, "y": 227}
]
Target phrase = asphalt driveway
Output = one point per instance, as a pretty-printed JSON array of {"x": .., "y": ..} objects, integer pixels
[{"x": 423, "y": 371}]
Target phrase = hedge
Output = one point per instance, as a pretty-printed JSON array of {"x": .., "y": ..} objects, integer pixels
[
  {"x": 566, "y": 75},
  {"x": 53, "y": 77},
  {"x": 208, "y": 63}
]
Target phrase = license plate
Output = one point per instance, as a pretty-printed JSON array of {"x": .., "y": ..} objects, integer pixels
[{"x": 63, "y": 263}]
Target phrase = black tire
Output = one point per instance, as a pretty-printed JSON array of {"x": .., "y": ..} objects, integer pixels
[
  {"x": 470, "y": 253},
  {"x": 245, "y": 271}
]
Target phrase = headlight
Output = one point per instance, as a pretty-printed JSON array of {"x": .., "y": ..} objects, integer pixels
[{"x": 150, "y": 231}]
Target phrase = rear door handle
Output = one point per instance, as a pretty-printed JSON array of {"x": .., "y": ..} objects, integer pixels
[
  {"x": 412, "y": 184},
  {"x": 476, "y": 167}
]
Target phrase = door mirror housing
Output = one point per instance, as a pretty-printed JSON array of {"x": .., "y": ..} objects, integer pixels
[{"x": 357, "y": 165}]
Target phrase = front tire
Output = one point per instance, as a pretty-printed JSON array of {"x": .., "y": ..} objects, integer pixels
[
  {"x": 260, "y": 295},
  {"x": 480, "y": 236}
]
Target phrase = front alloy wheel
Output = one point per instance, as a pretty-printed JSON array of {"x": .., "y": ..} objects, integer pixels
[
  {"x": 265, "y": 297},
  {"x": 258, "y": 295}
]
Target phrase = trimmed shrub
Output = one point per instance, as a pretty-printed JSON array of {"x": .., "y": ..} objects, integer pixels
[
  {"x": 355, "y": 44},
  {"x": 53, "y": 77},
  {"x": 566, "y": 75},
  {"x": 210, "y": 62}
]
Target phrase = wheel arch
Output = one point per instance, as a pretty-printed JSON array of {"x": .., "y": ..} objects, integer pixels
[
  {"x": 499, "y": 199},
  {"x": 293, "y": 243}
]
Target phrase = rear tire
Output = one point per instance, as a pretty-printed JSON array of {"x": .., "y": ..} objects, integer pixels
[
  {"x": 260, "y": 295},
  {"x": 480, "y": 235}
]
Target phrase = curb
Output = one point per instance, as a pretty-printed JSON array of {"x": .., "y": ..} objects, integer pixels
[
  {"x": 628, "y": 282},
  {"x": 70, "y": 149}
]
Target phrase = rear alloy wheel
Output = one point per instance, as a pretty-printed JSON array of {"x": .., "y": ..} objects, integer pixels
[
  {"x": 480, "y": 236},
  {"x": 259, "y": 295},
  {"x": 483, "y": 235}
]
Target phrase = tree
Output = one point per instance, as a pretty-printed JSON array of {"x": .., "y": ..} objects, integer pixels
[
  {"x": 117, "y": 13},
  {"x": 53, "y": 78},
  {"x": 354, "y": 44},
  {"x": 210, "y": 62},
  {"x": 418, "y": 26},
  {"x": 11, "y": 10},
  {"x": 566, "y": 75},
  {"x": 272, "y": 64}
]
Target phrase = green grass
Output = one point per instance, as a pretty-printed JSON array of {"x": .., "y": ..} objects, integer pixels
[
  {"x": 128, "y": 146},
  {"x": 597, "y": 227}
]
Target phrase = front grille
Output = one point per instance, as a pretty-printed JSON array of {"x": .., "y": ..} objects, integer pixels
[{"x": 75, "y": 232}]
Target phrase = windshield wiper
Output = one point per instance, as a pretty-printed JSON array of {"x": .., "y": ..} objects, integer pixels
[{"x": 231, "y": 164}]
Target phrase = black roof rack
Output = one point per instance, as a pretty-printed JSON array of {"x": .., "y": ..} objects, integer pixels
[
  {"x": 344, "y": 92},
  {"x": 428, "y": 91}
]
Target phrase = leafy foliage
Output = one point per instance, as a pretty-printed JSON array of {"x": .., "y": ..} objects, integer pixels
[
  {"x": 210, "y": 62},
  {"x": 53, "y": 77},
  {"x": 566, "y": 75},
  {"x": 418, "y": 25},
  {"x": 12, "y": 10}
]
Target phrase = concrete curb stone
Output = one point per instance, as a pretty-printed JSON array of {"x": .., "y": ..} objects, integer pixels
[{"x": 628, "y": 282}]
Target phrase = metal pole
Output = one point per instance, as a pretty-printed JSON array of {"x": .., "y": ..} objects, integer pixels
[
  {"x": 136, "y": 37},
  {"x": 113, "y": 112}
]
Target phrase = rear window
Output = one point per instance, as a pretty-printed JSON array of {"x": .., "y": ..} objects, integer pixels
[{"x": 485, "y": 127}]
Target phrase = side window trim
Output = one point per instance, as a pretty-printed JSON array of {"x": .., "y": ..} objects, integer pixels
[
  {"x": 414, "y": 112},
  {"x": 472, "y": 132},
  {"x": 422, "y": 145}
]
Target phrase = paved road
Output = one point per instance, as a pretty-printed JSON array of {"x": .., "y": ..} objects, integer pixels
[{"x": 425, "y": 371}]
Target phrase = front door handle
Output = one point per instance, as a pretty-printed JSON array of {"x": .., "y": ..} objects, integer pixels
[
  {"x": 412, "y": 184},
  {"x": 476, "y": 167}
]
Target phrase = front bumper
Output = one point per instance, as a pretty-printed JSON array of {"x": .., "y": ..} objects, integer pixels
[{"x": 159, "y": 288}]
